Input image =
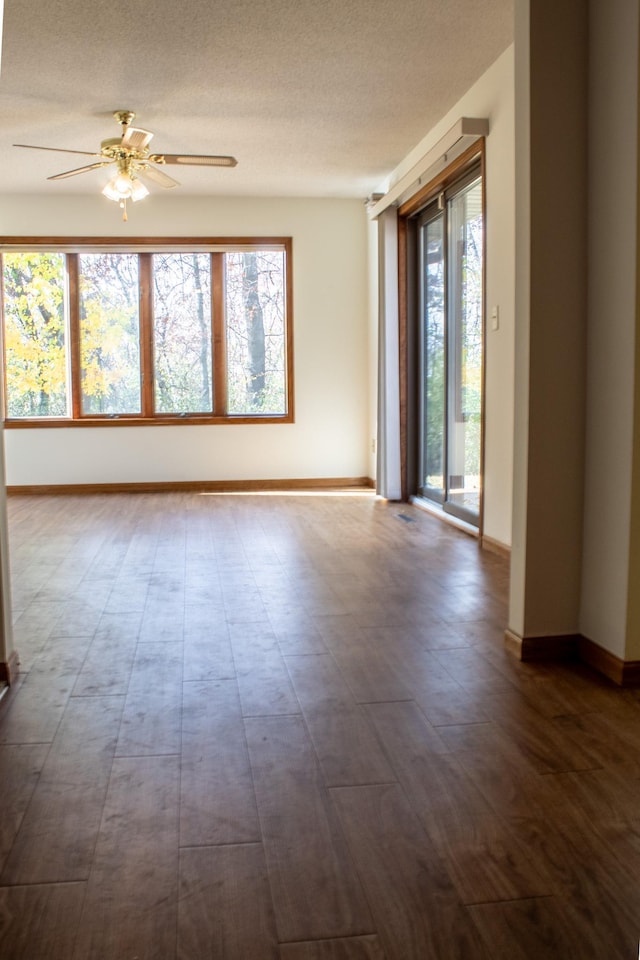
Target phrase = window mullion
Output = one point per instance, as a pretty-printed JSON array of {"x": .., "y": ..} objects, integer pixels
[
  {"x": 75, "y": 348},
  {"x": 218, "y": 339},
  {"x": 146, "y": 334}
]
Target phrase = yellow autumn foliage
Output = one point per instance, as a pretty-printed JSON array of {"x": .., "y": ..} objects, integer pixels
[{"x": 36, "y": 336}]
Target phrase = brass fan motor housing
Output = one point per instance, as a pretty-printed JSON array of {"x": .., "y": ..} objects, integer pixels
[
  {"x": 110, "y": 143},
  {"x": 113, "y": 149}
]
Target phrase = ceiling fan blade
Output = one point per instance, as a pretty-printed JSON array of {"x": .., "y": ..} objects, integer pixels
[
  {"x": 153, "y": 175},
  {"x": 198, "y": 161},
  {"x": 84, "y": 153},
  {"x": 72, "y": 173},
  {"x": 135, "y": 138}
]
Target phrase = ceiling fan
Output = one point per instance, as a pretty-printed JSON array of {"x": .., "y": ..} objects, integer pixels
[{"x": 134, "y": 161}]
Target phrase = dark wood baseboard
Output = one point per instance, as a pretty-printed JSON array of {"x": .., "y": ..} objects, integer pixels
[
  {"x": 190, "y": 486},
  {"x": 624, "y": 673},
  {"x": 561, "y": 647},
  {"x": 9, "y": 668}
]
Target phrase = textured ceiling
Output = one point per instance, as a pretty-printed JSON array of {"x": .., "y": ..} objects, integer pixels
[{"x": 314, "y": 97}]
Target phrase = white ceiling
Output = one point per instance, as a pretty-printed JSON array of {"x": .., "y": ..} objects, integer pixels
[{"x": 314, "y": 97}]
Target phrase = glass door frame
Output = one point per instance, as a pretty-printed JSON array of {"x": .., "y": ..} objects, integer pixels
[
  {"x": 460, "y": 173},
  {"x": 435, "y": 212}
]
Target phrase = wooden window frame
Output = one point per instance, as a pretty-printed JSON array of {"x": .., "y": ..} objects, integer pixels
[{"x": 144, "y": 248}]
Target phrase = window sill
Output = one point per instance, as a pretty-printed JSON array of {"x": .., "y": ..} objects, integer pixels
[{"x": 57, "y": 422}]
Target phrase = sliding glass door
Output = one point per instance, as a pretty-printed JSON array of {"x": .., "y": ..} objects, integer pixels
[{"x": 450, "y": 252}]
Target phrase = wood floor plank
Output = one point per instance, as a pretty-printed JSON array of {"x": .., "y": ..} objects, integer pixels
[
  {"x": 141, "y": 550},
  {"x": 130, "y": 909},
  {"x": 201, "y": 583},
  {"x": 163, "y": 616},
  {"x": 39, "y": 922},
  {"x": 319, "y": 598},
  {"x": 34, "y": 715},
  {"x": 411, "y": 643},
  {"x": 128, "y": 595},
  {"x": 151, "y": 718},
  {"x": 207, "y": 647},
  {"x": 368, "y": 674},
  {"x": 80, "y": 618},
  {"x": 107, "y": 666},
  {"x": 343, "y": 737},
  {"x": 263, "y": 679},
  {"x": 552, "y": 827},
  {"x": 484, "y": 858},
  {"x": 163, "y": 621},
  {"x": 92, "y": 593},
  {"x": 507, "y": 776},
  {"x": 483, "y": 634},
  {"x": 28, "y": 573},
  {"x": 217, "y": 803},
  {"x": 609, "y": 794},
  {"x": 370, "y": 610},
  {"x": 66, "y": 577},
  {"x": 225, "y": 908},
  {"x": 440, "y": 696},
  {"x": 549, "y": 928},
  {"x": 316, "y": 892},
  {"x": 538, "y": 737},
  {"x": 242, "y": 601},
  {"x": 443, "y": 700},
  {"x": 338, "y": 629},
  {"x": 32, "y": 629},
  {"x": 609, "y": 739},
  {"x": 20, "y": 768},
  {"x": 107, "y": 563},
  {"x": 561, "y": 690},
  {"x": 416, "y": 908},
  {"x": 605, "y": 897},
  {"x": 351, "y": 948},
  {"x": 57, "y": 836},
  {"x": 297, "y": 633},
  {"x": 469, "y": 666}
]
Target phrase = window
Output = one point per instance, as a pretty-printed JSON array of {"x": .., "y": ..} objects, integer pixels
[
  {"x": 182, "y": 333},
  {"x": 109, "y": 334},
  {"x": 97, "y": 334}
]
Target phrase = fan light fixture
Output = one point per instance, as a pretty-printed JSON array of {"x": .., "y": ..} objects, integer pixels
[
  {"x": 130, "y": 151},
  {"x": 124, "y": 186}
]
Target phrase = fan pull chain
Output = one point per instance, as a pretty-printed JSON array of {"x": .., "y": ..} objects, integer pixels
[{"x": 123, "y": 207}]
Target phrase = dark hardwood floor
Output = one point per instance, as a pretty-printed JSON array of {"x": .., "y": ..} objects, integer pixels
[{"x": 285, "y": 728}]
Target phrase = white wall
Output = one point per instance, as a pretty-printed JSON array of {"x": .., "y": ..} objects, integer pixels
[
  {"x": 613, "y": 173},
  {"x": 492, "y": 97},
  {"x": 331, "y": 433}
]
